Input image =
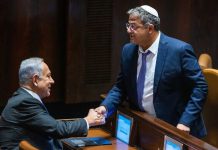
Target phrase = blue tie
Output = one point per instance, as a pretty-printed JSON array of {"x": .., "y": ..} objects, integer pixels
[{"x": 141, "y": 80}]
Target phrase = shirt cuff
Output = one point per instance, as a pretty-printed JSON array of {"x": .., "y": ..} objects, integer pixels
[{"x": 87, "y": 124}]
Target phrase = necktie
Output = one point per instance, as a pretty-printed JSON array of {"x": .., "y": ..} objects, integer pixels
[{"x": 141, "y": 79}]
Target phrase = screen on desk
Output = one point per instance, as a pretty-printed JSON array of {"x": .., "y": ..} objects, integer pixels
[
  {"x": 123, "y": 127},
  {"x": 171, "y": 144}
]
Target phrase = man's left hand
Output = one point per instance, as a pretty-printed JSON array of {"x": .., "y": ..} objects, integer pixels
[{"x": 183, "y": 128}]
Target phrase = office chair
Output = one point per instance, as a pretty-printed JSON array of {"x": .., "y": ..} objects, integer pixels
[
  {"x": 25, "y": 145},
  {"x": 210, "y": 110},
  {"x": 205, "y": 61}
]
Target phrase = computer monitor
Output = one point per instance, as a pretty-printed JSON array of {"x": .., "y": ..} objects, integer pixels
[
  {"x": 124, "y": 125},
  {"x": 172, "y": 144}
]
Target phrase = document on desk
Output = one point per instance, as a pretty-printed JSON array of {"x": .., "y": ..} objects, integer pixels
[{"x": 87, "y": 141}]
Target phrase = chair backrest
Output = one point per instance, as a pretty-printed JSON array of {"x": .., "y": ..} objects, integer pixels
[
  {"x": 205, "y": 61},
  {"x": 25, "y": 145},
  {"x": 210, "y": 110}
]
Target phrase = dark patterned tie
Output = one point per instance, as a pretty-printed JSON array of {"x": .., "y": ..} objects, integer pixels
[{"x": 141, "y": 79}]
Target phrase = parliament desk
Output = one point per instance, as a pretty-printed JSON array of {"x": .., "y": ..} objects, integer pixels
[
  {"x": 98, "y": 132},
  {"x": 148, "y": 134}
]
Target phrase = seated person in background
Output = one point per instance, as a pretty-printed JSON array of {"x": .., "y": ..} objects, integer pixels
[
  {"x": 159, "y": 75},
  {"x": 25, "y": 117}
]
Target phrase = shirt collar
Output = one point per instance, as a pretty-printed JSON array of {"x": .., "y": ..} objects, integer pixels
[{"x": 154, "y": 47}]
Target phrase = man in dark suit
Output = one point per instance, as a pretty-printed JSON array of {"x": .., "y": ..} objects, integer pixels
[
  {"x": 25, "y": 117},
  {"x": 159, "y": 75}
]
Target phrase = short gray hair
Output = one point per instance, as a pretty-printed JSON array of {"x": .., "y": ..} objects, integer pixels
[
  {"x": 145, "y": 17},
  {"x": 28, "y": 68}
]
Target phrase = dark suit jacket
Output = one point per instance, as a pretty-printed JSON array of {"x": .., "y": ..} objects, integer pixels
[
  {"x": 179, "y": 86},
  {"x": 25, "y": 117}
]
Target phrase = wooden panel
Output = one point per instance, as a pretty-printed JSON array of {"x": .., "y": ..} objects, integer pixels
[
  {"x": 75, "y": 49},
  {"x": 31, "y": 28},
  {"x": 150, "y": 132},
  {"x": 98, "y": 42},
  {"x": 59, "y": 31},
  {"x": 89, "y": 57},
  {"x": 204, "y": 23}
]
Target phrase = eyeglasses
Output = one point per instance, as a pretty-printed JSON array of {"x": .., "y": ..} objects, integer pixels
[{"x": 133, "y": 27}]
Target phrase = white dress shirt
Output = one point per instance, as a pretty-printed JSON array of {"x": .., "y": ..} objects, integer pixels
[{"x": 147, "y": 102}]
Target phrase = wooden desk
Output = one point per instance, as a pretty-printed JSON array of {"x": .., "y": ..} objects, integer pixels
[
  {"x": 150, "y": 131},
  {"x": 98, "y": 132}
]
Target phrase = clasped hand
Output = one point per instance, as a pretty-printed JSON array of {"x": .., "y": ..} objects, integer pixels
[{"x": 94, "y": 118}]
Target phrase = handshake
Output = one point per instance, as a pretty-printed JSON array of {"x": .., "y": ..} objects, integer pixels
[{"x": 96, "y": 116}]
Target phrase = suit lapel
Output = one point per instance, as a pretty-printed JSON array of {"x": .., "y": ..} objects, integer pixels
[
  {"x": 22, "y": 91},
  {"x": 161, "y": 57},
  {"x": 134, "y": 73}
]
